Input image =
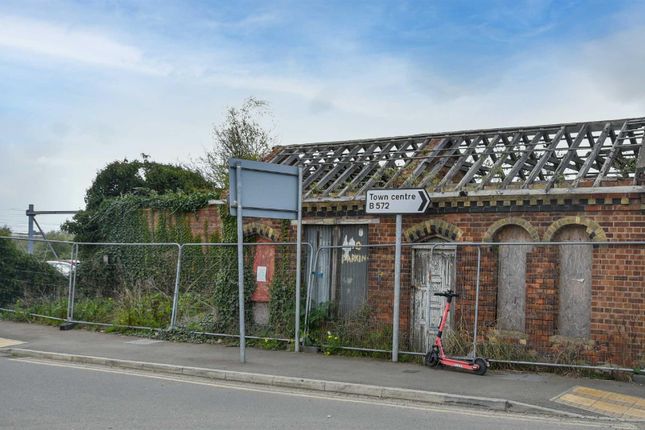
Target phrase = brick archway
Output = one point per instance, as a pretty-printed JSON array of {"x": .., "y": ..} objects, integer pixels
[
  {"x": 256, "y": 228},
  {"x": 495, "y": 227},
  {"x": 594, "y": 230},
  {"x": 431, "y": 228}
]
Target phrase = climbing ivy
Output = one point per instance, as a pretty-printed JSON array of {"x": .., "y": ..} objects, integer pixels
[
  {"x": 282, "y": 289},
  {"x": 226, "y": 290}
]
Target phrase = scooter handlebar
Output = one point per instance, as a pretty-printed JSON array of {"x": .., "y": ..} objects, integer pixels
[{"x": 447, "y": 294}]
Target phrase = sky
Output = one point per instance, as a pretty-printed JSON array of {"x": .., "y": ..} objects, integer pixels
[{"x": 84, "y": 83}]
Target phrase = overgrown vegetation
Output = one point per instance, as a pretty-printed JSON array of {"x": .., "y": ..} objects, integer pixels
[
  {"x": 239, "y": 135},
  {"x": 24, "y": 278}
]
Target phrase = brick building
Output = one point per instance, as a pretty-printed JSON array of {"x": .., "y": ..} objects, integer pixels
[{"x": 543, "y": 184}]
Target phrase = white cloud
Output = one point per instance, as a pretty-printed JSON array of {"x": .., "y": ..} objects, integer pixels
[
  {"x": 72, "y": 44},
  {"x": 354, "y": 94}
]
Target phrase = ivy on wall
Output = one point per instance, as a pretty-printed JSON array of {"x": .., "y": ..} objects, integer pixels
[{"x": 282, "y": 289}]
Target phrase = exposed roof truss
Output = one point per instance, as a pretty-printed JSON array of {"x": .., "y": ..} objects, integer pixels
[{"x": 566, "y": 156}]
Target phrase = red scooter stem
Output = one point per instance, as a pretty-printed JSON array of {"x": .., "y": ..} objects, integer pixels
[{"x": 437, "y": 355}]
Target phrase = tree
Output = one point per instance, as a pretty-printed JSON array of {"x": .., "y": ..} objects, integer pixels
[
  {"x": 142, "y": 177},
  {"x": 239, "y": 135},
  {"x": 123, "y": 178}
]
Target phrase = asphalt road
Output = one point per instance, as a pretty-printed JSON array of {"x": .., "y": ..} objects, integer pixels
[{"x": 42, "y": 395}]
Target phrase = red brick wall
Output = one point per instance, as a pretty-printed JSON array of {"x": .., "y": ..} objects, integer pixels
[
  {"x": 618, "y": 273},
  {"x": 618, "y": 286}
]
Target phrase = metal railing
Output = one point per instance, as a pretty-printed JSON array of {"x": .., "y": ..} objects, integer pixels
[{"x": 476, "y": 271}]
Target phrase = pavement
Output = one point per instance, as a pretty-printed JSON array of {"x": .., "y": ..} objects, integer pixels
[{"x": 521, "y": 392}]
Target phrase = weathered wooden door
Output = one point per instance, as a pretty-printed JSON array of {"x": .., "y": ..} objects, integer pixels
[{"x": 430, "y": 274}]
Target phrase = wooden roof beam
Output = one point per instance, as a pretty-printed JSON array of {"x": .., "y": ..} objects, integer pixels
[
  {"x": 594, "y": 153},
  {"x": 519, "y": 164},
  {"x": 537, "y": 170},
  {"x": 443, "y": 160},
  {"x": 431, "y": 157},
  {"x": 564, "y": 162},
  {"x": 616, "y": 142},
  {"x": 500, "y": 161},
  {"x": 477, "y": 165},
  {"x": 459, "y": 162}
]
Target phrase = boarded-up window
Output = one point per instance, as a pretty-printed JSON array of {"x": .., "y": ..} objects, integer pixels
[
  {"x": 511, "y": 278},
  {"x": 574, "y": 316}
]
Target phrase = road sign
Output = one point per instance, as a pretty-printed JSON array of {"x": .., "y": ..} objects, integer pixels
[
  {"x": 270, "y": 190},
  {"x": 397, "y": 201},
  {"x": 264, "y": 190}
]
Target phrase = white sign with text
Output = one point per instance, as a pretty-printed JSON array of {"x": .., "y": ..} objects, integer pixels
[{"x": 397, "y": 201}]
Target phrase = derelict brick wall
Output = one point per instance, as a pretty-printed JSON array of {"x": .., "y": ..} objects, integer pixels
[
  {"x": 618, "y": 288},
  {"x": 203, "y": 223}
]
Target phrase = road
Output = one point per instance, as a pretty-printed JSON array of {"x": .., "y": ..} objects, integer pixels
[{"x": 44, "y": 395}]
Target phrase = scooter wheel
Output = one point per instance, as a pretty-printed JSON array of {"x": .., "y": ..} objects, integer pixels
[
  {"x": 483, "y": 367},
  {"x": 432, "y": 359}
]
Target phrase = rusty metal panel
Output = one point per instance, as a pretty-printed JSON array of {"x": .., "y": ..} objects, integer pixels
[
  {"x": 353, "y": 269},
  {"x": 321, "y": 235}
]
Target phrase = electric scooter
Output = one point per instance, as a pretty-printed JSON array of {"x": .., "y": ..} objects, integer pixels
[{"x": 436, "y": 356}]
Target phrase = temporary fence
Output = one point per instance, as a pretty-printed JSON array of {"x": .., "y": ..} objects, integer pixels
[
  {"x": 547, "y": 303},
  {"x": 35, "y": 284},
  {"x": 125, "y": 285},
  {"x": 566, "y": 303},
  {"x": 158, "y": 286},
  {"x": 207, "y": 289}
]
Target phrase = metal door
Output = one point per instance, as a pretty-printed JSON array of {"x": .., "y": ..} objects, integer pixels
[{"x": 429, "y": 275}]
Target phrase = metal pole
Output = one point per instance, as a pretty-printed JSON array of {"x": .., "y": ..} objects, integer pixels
[
  {"x": 397, "y": 289},
  {"x": 479, "y": 259},
  {"x": 42, "y": 233},
  {"x": 240, "y": 260},
  {"x": 298, "y": 258},
  {"x": 30, "y": 229},
  {"x": 309, "y": 285},
  {"x": 70, "y": 285},
  {"x": 175, "y": 299},
  {"x": 73, "y": 276}
]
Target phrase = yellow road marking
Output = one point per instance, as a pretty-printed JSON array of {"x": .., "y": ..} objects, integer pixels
[
  {"x": 8, "y": 342},
  {"x": 636, "y": 412},
  {"x": 604, "y": 402}
]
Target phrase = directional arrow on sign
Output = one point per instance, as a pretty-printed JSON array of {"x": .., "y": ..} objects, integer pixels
[
  {"x": 397, "y": 201},
  {"x": 425, "y": 200}
]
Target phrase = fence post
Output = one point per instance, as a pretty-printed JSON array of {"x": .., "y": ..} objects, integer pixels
[
  {"x": 70, "y": 284},
  {"x": 397, "y": 290},
  {"x": 298, "y": 262},
  {"x": 72, "y": 290},
  {"x": 240, "y": 262},
  {"x": 175, "y": 298},
  {"x": 479, "y": 259}
]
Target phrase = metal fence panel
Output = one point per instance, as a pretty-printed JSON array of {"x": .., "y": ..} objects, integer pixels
[
  {"x": 38, "y": 284},
  {"x": 125, "y": 285}
]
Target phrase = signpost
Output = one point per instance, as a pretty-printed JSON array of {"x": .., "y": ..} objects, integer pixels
[
  {"x": 397, "y": 202},
  {"x": 264, "y": 190}
]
